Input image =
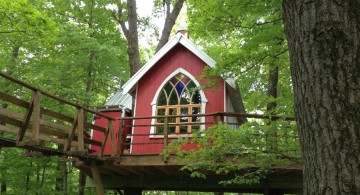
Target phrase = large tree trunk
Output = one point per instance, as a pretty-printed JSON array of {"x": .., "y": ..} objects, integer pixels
[
  {"x": 132, "y": 38},
  {"x": 169, "y": 22},
  {"x": 324, "y": 44},
  {"x": 131, "y": 32}
]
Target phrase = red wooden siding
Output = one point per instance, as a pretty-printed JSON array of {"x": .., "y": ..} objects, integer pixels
[
  {"x": 102, "y": 122},
  {"x": 178, "y": 57}
]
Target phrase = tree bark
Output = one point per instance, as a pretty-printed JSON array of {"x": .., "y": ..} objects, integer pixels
[
  {"x": 324, "y": 44},
  {"x": 272, "y": 88},
  {"x": 132, "y": 38},
  {"x": 237, "y": 102},
  {"x": 170, "y": 19}
]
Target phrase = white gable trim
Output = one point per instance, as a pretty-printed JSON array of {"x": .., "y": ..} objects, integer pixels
[
  {"x": 179, "y": 38},
  {"x": 177, "y": 71},
  {"x": 153, "y": 103}
]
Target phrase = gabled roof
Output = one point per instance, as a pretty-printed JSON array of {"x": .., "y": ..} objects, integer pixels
[
  {"x": 120, "y": 99},
  {"x": 178, "y": 39}
]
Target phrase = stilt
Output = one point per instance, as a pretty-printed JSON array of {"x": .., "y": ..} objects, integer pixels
[
  {"x": 97, "y": 180},
  {"x": 273, "y": 192},
  {"x": 132, "y": 191}
]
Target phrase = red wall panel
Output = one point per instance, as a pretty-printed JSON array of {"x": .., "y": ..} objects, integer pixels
[{"x": 178, "y": 57}]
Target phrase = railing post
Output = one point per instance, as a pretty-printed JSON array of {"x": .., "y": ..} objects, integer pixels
[
  {"x": 120, "y": 144},
  {"x": 215, "y": 118},
  {"x": 166, "y": 134},
  {"x": 222, "y": 118},
  {"x": 112, "y": 137},
  {"x": 68, "y": 141},
  {"x": 80, "y": 130},
  {"x": 36, "y": 118},
  {"x": 103, "y": 143},
  {"x": 166, "y": 131},
  {"x": 33, "y": 109}
]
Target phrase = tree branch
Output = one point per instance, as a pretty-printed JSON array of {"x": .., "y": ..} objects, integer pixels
[
  {"x": 169, "y": 23},
  {"x": 12, "y": 31},
  {"x": 120, "y": 21}
]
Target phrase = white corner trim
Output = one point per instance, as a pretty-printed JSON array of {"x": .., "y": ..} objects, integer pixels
[
  {"x": 133, "y": 122},
  {"x": 153, "y": 103}
]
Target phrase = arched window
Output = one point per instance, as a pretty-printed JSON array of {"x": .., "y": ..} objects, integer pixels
[{"x": 179, "y": 96}]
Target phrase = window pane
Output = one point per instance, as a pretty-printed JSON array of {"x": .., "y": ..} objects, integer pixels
[
  {"x": 185, "y": 80},
  {"x": 172, "y": 130},
  {"x": 195, "y": 110},
  {"x": 196, "y": 99},
  {"x": 159, "y": 130},
  {"x": 184, "y": 111},
  {"x": 180, "y": 76},
  {"x": 183, "y": 129},
  {"x": 161, "y": 111},
  {"x": 185, "y": 98},
  {"x": 179, "y": 88},
  {"x": 168, "y": 87},
  {"x": 173, "y": 98},
  {"x": 195, "y": 129},
  {"x": 172, "y": 111},
  {"x": 191, "y": 85},
  {"x": 174, "y": 81},
  {"x": 162, "y": 99}
]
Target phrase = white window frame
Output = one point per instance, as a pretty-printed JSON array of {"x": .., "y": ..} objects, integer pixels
[{"x": 154, "y": 101}]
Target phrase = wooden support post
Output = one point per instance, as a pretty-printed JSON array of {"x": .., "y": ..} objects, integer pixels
[
  {"x": 215, "y": 119},
  {"x": 120, "y": 138},
  {"x": 110, "y": 126},
  {"x": 80, "y": 131},
  {"x": 26, "y": 120},
  {"x": 72, "y": 132},
  {"x": 166, "y": 131},
  {"x": 97, "y": 180},
  {"x": 222, "y": 118},
  {"x": 102, "y": 148},
  {"x": 36, "y": 118},
  {"x": 268, "y": 191},
  {"x": 166, "y": 135},
  {"x": 132, "y": 191}
]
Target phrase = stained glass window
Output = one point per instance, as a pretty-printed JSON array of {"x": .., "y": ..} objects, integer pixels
[{"x": 179, "y": 97}]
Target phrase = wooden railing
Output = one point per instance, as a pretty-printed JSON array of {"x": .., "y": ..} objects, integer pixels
[
  {"x": 28, "y": 122},
  {"x": 207, "y": 120}
]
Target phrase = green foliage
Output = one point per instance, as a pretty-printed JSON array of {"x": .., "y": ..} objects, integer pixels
[
  {"x": 72, "y": 49},
  {"x": 249, "y": 152},
  {"x": 247, "y": 40}
]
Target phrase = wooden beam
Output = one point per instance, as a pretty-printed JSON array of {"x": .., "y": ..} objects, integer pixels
[
  {"x": 97, "y": 180},
  {"x": 120, "y": 138},
  {"x": 110, "y": 125},
  {"x": 14, "y": 100},
  {"x": 36, "y": 117},
  {"x": 72, "y": 132},
  {"x": 102, "y": 147},
  {"x": 26, "y": 120},
  {"x": 166, "y": 134},
  {"x": 80, "y": 130},
  {"x": 132, "y": 191}
]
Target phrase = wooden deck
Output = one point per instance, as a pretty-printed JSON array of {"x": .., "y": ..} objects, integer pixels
[
  {"x": 150, "y": 172},
  {"x": 31, "y": 124}
]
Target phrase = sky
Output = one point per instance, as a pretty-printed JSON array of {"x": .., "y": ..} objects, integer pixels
[{"x": 145, "y": 9}]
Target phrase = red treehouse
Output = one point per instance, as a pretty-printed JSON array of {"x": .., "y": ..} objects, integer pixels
[{"x": 164, "y": 92}]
